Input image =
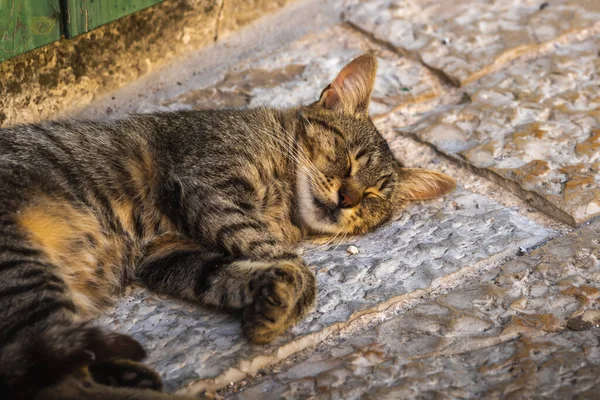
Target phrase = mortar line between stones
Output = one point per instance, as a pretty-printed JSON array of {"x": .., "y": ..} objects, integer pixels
[
  {"x": 528, "y": 52},
  {"x": 522, "y": 53},
  {"x": 533, "y": 198},
  {"x": 443, "y": 78},
  {"x": 373, "y": 315}
]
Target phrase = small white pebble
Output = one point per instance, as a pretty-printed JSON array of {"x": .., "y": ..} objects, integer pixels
[{"x": 352, "y": 250}]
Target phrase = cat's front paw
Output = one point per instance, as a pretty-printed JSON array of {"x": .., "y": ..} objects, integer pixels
[
  {"x": 126, "y": 373},
  {"x": 283, "y": 293}
]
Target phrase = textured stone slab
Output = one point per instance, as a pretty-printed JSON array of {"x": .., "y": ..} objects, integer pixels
[
  {"x": 467, "y": 39},
  {"x": 296, "y": 74},
  {"x": 528, "y": 330},
  {"x": 536, "y": 124},
  {"x": 426, "y": 247}
]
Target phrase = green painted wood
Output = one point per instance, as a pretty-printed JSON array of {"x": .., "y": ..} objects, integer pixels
[
  {"x": 27, "y": 24},
  {"x": 85, "y": 15}
]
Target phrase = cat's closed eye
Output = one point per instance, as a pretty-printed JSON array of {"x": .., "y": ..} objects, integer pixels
[{"x": 349, "y": 168}]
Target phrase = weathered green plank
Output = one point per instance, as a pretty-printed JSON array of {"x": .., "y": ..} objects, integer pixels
[
  {"x": 85, "y": 15},
  {"x": 27, "y": 24}
]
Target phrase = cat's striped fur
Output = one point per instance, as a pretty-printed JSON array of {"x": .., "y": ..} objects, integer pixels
[{"x": 202, "y": 205}]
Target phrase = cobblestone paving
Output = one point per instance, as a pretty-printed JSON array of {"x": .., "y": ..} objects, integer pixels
[{"x": 448, "y": 300}]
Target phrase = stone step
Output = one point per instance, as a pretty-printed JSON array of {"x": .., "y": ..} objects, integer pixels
[{"x": 467, "y": 39}]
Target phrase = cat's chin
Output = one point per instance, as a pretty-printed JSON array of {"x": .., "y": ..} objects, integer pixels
[
  {"x": 319, "y": 217},
  {"x": 327, "y": 213},
  {"x": 320, "y": 225},
  {"x": 315, "y": 214}
]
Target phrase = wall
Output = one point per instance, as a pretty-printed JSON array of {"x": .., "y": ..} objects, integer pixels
[{"x": 71, "y": 73}]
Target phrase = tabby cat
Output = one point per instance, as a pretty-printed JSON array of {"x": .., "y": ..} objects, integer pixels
[{"x": 202, "y": 205}]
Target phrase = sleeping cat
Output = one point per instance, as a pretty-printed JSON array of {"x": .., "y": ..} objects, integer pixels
[{"x": 206, "y": 206}]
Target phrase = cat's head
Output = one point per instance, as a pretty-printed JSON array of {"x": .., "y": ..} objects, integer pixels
[{"x": 348, "y": 181}]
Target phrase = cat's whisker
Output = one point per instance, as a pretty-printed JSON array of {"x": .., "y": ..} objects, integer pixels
[
  {"x": 296, "y": 159},
  {"x": 299, "y": 156},
  {"x": 300, "y": 153},
  {"x": 306, "y": 119},
  {"x": 328, "y": 242},
  {"x": 285, "y": 151},
  {"x": 341, "y": 241},
  {"x": 291, "y": 147}
]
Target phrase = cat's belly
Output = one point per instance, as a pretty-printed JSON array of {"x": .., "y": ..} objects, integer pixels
[{"x": 94, "y": 263}]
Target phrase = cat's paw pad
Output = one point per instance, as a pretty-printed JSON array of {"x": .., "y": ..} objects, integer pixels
[
  {"x": 126, "y": 373},
  {"x": 276, "y": 294}
]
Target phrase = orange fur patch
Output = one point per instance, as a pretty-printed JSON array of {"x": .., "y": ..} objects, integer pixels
[
  {"x": 73, "y": 241},
  {"x": 144, "y": 173},
  {"x": 124, "y": 212},
  {"x": 167, "y": 244}
]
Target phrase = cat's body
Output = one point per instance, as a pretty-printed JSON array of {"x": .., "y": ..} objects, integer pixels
[{"x": 205, "y": 205}]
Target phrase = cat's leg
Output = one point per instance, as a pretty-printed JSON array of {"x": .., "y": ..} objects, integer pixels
[
  {"x": 285, "y": 288},
  {"x": 125, "y": 373},
  {"x": 31, "y": 363},
  {"x": 274, "y": 292},
  {"x": 81, "y": 385},
  {"x": 286, "y": 291},
  {"x": 249, "y": 267}
]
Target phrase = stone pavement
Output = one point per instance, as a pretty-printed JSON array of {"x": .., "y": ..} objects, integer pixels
[
  {"x": 491, "y": 292},
  {"x": 527, "y": 330}
]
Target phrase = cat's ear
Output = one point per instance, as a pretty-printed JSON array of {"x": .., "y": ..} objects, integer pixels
[
  {"x": 350, "y": 92},
  {"x": 423, "y": 184}
]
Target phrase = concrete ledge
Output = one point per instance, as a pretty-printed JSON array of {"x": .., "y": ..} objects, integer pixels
[{"x": 72, "y": 73}]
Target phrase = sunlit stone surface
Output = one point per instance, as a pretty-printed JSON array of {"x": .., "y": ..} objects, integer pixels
[
  {"x": 536, "y": 123},
  {"x": 527, "y": 330},
  {"x": 466, "y": 38}
]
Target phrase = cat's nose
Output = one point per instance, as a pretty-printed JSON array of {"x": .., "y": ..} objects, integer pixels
[{"x": 349, "y": 195}]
